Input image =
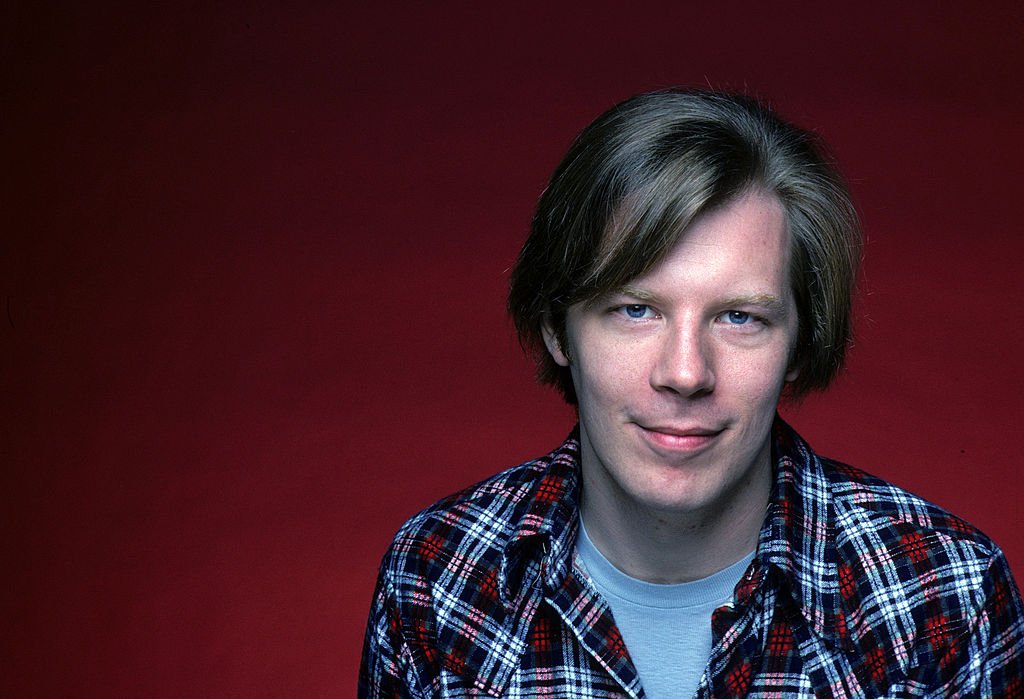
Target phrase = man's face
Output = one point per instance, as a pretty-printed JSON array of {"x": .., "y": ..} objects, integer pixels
[{"x": 679, "y": 373}]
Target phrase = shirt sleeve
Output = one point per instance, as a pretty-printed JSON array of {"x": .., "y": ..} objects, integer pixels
[
  {"x": 386, "y": 670},
  {"x": 996, "y": 658}
]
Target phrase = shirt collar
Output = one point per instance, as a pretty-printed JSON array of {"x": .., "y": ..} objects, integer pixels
[
  {"x": 545, "y": 532},
  {"x": 798, "y": 538}
]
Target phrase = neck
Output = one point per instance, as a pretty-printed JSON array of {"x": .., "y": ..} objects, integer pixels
[{"x": 666, "y": 547}]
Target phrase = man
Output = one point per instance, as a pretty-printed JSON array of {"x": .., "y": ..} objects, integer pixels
[{"x": 691, "y": 259}]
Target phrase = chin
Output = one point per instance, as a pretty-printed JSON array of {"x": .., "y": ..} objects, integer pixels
[{"x": 676, "y": 500}]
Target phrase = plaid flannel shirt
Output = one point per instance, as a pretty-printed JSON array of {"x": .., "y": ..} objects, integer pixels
[{"x": 857, "y": 589}]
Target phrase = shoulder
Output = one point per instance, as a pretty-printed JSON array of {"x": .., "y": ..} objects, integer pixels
[
  {"x": 873, "y": 514},
  {"x": 882, "y": 541},
  {"x": 878, "y": 524},
  {"x": 913, "y": 595},
  {"x": 485, "y": 510},
  {"x": 466, "y": 534},
  {"x": 458, "y": 582},
  {"x": 914, "y": 578}
]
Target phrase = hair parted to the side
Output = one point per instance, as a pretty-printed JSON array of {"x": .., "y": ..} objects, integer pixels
[{"x": 634, "y": 180}]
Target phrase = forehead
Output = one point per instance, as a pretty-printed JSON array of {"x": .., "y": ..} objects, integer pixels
[{"x": 745, "y": 239}]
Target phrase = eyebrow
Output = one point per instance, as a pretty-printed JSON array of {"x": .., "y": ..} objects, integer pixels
[
  {"x": 638, "y": 294},
  {"x": 769, "y": 302}
]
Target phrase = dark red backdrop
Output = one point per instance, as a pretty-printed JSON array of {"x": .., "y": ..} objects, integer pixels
[{"x": 253, "y": 266}]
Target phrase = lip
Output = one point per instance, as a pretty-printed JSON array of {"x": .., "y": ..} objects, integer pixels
[{"x": 671, "y": 438}]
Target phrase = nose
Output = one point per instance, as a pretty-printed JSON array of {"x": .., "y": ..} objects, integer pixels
[{"x": 685, "y": 362}]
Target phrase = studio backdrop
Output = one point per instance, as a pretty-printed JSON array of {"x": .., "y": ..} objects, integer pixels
[{"x": 253, "y": 266}]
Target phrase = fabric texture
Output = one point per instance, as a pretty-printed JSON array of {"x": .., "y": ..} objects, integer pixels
[
  {"x": 857, "y": 589},
  {"x": 666, "y": 628}
]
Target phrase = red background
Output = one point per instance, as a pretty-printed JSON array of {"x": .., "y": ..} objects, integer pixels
[{"x": 253, "y": 267}]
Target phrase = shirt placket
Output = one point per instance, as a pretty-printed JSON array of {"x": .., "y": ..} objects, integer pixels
[
  {"x": 590, "y": 620},
  {"x": 737, "y": 643}
]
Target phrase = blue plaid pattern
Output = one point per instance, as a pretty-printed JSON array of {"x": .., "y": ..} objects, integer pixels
[{"x": 857, "y": 589}]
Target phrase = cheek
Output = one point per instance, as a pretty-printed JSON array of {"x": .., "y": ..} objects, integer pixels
[
  {"x": 605, "y": 375},
  {"x": 759, "y": 382}
]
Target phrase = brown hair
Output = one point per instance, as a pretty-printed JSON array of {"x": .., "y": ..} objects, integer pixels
[{"x": 635, "y": 178}]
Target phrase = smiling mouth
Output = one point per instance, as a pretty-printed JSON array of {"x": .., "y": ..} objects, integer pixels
[{"x": 669, "y": 438}]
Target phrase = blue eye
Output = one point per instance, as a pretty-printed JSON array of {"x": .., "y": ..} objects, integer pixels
[
  {"x": 738, "y": 317},
  {"x": 636, "y": 310}
]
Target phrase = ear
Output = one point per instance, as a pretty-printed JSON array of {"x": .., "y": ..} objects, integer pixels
[
  {"x": 553, "y": 345},
  {"x": 796, "y": 363}
]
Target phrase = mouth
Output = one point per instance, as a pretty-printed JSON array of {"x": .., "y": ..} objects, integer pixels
[{"x": 674, "y": 438}]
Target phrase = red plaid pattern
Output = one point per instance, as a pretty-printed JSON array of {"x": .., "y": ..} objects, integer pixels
[{"x": 857, "y": 589}]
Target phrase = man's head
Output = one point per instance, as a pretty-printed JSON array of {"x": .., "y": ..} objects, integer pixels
[{"x": 635, "y": 179}]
